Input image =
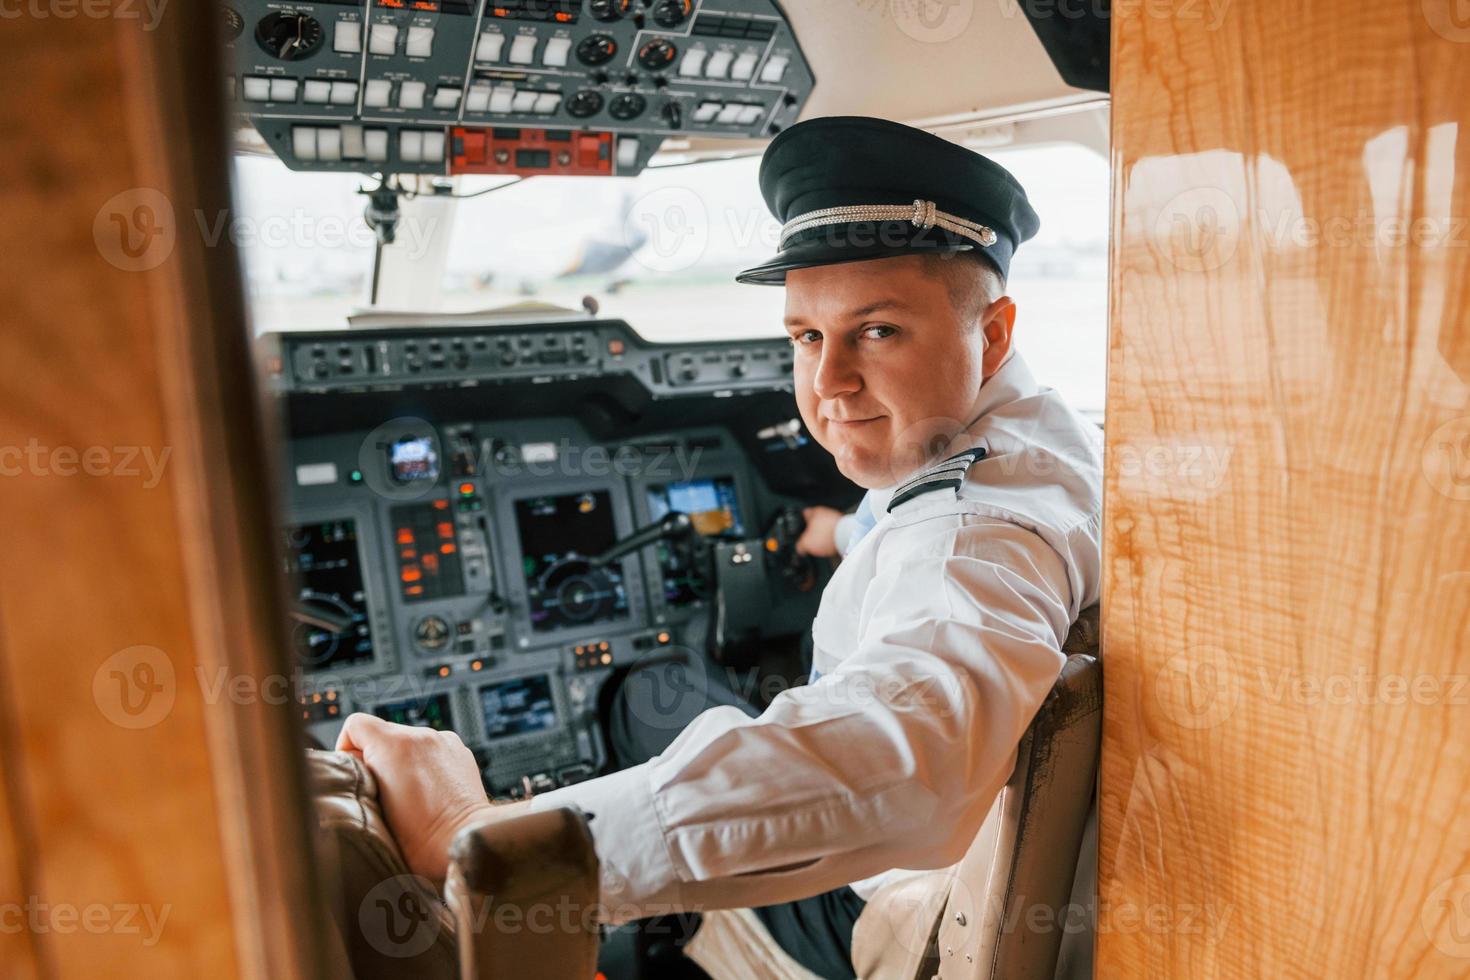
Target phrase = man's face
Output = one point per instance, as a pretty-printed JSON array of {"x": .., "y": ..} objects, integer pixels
[{"x": 887, "y": 368}]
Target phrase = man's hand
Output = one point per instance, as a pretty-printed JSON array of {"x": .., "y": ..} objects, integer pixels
[
  {"x": 428, "y": 784},
  {"x": 820, "y": 537}
]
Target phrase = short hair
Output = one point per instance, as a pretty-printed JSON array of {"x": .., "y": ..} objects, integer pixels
[{"x": 971, "y": 278}]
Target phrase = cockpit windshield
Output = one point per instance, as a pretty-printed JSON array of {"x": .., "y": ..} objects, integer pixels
[{"x": 659, "y": 250}]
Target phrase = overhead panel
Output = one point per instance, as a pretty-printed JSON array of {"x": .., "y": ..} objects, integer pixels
[{"x": 469, "y": 86}]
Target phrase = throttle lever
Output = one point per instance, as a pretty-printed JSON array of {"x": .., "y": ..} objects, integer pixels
[{"x": 673, "y": 526}]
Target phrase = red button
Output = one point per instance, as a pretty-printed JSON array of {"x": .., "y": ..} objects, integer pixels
[{"x": 587, "y": 150}]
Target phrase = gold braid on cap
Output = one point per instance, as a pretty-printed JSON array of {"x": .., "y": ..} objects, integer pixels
[{"x": 921, "y": 213}]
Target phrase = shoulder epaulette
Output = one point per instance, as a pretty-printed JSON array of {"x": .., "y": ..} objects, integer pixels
[{"x": 948, "y": 474}]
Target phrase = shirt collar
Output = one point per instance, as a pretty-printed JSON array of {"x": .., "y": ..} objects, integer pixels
[{"x": 1012, "y": 381}]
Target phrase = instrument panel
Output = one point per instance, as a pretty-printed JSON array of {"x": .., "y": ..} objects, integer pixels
[
  {"x": 507, "y": 86},
  {"x": 445, "y": 538}
]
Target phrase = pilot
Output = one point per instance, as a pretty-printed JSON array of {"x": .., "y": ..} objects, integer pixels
[{"x": 938, "y": 635}]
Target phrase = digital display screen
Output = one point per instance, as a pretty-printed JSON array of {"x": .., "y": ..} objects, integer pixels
[
  {"x": 427, "y": 712},
  {"x": 427, "y": 551},
  {"x": 711, "y": 505},
  {"x": 518, "y": 707},
  {"x": 558, "y": 534},
  {"x": 413, "y": 459},
  {"x": 329, "y": 611},
  {"x": 715, "y": 513}
]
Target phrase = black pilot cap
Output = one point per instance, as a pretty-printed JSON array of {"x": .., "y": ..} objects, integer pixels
[{"x": 909, "y": 192}]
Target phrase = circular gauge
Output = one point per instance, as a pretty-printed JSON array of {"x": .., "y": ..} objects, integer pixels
[
  {"x": 627, "y": 105},
  {"x": 431, "y": 634},
  {"x": 316, "y": 641},
  {"x": 657, "y": 54},
  {"x": 234, "y": 23},
  {"x": 580, "y": 597},
  {"x": 596, "y": 49},
  {"x": 610, "y": 9},
  {"x": 289, "y": 36},
  {"x": 584, "y": 103},
  {"x": 671, "y": 13},
  {"x": 577, "y": 590}
]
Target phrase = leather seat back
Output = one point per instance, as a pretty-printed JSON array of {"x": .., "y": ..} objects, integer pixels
[
  {"x": 520, "y": 898},
  {"x": 1003, "y": 911},
  {"x": 389, "y": 922},
  {"x": 1009, "y": 902}
]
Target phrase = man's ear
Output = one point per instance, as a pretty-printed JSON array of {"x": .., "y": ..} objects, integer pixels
[{"x": 996, "y": 324}]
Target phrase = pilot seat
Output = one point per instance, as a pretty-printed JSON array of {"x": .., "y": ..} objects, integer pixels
[{"x": 510, "y": 905}]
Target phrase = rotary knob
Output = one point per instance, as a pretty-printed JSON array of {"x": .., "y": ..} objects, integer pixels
[
  {"x": 657, "y": 54},
  {"x": 610, "y": 10},
  {"x": 627, "y": 105},
  {"x": 584, "y": 103},
  {"x": 431, "y": 634},
  {"x": 289, "y": 36},
  {"x": 234, "y": 24},
  {"x": 596, "y": 49},
  {"x": 672, "y": 13}
]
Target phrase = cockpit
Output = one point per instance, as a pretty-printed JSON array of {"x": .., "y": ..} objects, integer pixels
[
  {"x": 555, "y": 443},
  {"x": 486, "y": 522},
  {"x": 536, "y": 435}
]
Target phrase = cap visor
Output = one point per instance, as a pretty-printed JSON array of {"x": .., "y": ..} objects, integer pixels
[{"x": 809, "y": 254}]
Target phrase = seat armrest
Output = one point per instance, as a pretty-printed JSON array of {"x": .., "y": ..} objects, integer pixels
[
  {"x": 968, "y": 921},
  {"x": 524, "y": 893}
]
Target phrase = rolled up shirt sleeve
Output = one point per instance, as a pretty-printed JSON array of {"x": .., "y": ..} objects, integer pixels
[{"x": 890, "y": 760}]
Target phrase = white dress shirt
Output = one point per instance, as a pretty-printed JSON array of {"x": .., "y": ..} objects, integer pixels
[{"x": 936, "y": 641}]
